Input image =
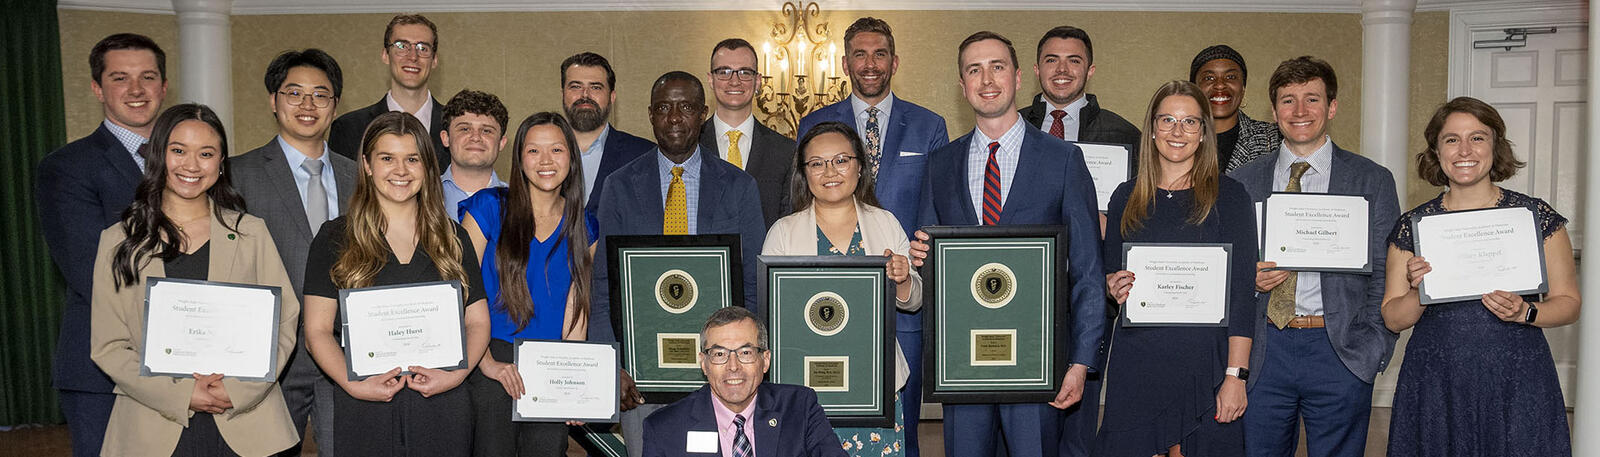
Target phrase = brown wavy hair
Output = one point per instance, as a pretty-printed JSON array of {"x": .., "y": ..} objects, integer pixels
[
  {"x": 517, "y": 227},
  {"x": 365, "y": 249},
  {"x": 1505, "y": 161},
  {"x": 1202, "y": 176}
]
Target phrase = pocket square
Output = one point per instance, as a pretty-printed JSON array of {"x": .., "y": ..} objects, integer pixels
[{"x": 910, "y": 153}]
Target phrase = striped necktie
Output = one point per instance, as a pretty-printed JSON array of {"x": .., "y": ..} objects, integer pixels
[
  {"x": 741, "y": 444},
  {"x": 991, "y": 187}
]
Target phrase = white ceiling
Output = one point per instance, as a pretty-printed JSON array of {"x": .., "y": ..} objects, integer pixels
[{"x": 249, "y": 7}]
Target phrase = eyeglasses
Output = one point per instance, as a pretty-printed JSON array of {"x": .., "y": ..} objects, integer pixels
[
  {"x": 403, "y": 47},
  {"x": 719, "y": 355},
  {"x": 724, "y": 74},
  {"x": 1166, "y": 122},
  {"x": 319, "y": 98},
  {"x": 840, "y": 163}
]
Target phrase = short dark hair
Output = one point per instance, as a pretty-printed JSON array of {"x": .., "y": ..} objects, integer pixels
[
  {"x": 731, "y": 315},
  {"x": 679, "y": 75},
  {"x": 1505, "y": 161},
  {"x": 124, "y": 41},
  {"x": 409, "y": 19},
  {"x": 278, "y": 70},
  {"x": 985, "y": 35},
  {"x": 475, "y": 102},
  {"x": 589, "y": 59},
  {"x": 1065, "y": 32},
  {"x": 872, "y": 25},
  {"x": 733, "y": 44},
  {"x": 1301, "y": 70},
  {"x": 800, "y": 189}
]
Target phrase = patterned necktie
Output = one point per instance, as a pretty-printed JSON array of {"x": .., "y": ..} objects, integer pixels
[
  {"x": 874, "y": 140},
  {"x": 316, "y": 195},
  {"x": 1280, "y": 308},
  {"x": 677, "y": 220},
  {"x": 1058, "y": 129},
  {"x": 741, "y": 444},
  {"x": 991, "y": 188},
  {"x": 735, "y": 157}
]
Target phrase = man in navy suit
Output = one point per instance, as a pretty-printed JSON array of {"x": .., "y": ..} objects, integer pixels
[
  {"x": 1322, "y": 340},
  {"x": 83, "y": 188},
  {"x": 588, "y": 89},
  {"x": 410, "y": 50},
  {"x": 719, "y": 198},
  {"x": 735, "y": 414},
  {"x": 898, "y": 136},
  {"x": 975, "y": 176}
]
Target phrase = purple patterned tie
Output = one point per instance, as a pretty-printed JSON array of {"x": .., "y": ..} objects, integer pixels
[{"x": 741, "y": 444}]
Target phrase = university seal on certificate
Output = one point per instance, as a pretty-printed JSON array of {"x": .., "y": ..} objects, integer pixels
[
  {"x": 827, "y": 313},
  {"x": 675, "y": 291},
  {"x": 993, "y": 285}
]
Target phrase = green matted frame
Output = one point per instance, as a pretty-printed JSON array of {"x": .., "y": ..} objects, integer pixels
[
  {"x": 995, "y": 309},
  {"x": 663, "y": 288},
  {"x": 831, "y": 325}
]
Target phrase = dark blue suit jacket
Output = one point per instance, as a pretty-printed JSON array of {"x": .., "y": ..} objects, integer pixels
[
  {"x": 81, "y": 189},
  {"x": 910, "y": 134},
  {"x": 1351, "y": 303},
  {"x": 620, "y": 148},
  {"x": 1058, "y": 191},
  {"x": 631, "y": 205},
  {"x": 788, "y": 421}
]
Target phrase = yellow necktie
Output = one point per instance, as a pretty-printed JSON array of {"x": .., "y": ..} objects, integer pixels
[
  {"x": 677, "y": 220},
  {"x": 734, "y": 156},
  {"x": 1280, "y": 307}
]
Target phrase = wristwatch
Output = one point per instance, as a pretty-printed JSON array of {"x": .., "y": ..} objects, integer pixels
[
  {"x": 1533, "y": 313},
  {"x": 1238, "y": 372}
]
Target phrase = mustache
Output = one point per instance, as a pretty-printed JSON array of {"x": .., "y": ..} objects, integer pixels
[{"x": 584, "y": 100}]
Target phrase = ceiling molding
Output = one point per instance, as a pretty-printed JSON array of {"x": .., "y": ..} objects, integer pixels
[{"x": 265, "y": 7}]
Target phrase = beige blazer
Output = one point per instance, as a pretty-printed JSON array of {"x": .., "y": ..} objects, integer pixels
[
  {"x": 796, "y": 234},
  {"x": 151, "y": 412}
]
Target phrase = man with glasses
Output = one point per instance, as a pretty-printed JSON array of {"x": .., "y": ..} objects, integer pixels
[
  {"x": 588, "y": 89},
  {"x": 736, "y": 413},
  {"x": 736, "y": 136},
  {"x": 294, "y": 184},
  {"x": 410, "y": 49},
  {"x": 476, "y": 132}
]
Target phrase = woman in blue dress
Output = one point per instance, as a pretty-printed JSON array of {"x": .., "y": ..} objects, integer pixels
[
  {"x": 1167, "y": 392},
  {"x": 532, "y": 237},
  {"x": 1478, "y": 378}
]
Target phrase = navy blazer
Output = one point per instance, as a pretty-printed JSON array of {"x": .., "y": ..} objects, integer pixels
[
  {"x": 911, "y": 133},
  {"x": 620, "y": 148},
  {"x": 1059, "y": 191},
  {"x": 344, "y": 136},
  {"x": 770, "y": 160},
  {"x": 81, "y": 189},
  {"x": 631, "y": 205},
  {"x": 788, "y": 421},
  {"x": 1351, "y": 303}
]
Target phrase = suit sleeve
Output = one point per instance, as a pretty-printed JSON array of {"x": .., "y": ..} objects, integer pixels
[
  {"x": 602, "y": 327},
  {"x": 941, "y": 134},
  {"x": 821, "y": 441},
  {"x": 1082, "y": 216},
  {"x": 111, "y": 343},
  {"x": 752, "y": 235},
  {"x": 67, "y": 211},
  {"x": 651, "y": 447},
  {"x": 244, "y": 394},
  {"x": 344, "y": 135},
  {"x": 1384, "y": 208}
]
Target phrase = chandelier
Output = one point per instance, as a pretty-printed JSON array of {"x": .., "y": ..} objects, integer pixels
[{"x": 799, "y": 69}]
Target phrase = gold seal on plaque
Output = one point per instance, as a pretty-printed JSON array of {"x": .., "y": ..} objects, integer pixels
[
  {"x": 676, "y": 291},
  {"x": 993, "y": 285},
  {"x": 827, "y": 313}
]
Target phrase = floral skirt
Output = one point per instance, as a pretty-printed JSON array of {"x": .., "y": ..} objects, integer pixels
[{"x": 875, "y": 442}]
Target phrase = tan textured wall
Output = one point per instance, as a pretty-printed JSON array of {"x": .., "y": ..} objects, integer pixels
[
  {"x": 514, "y": 55},
  {"x": 1430, "y": 81}
]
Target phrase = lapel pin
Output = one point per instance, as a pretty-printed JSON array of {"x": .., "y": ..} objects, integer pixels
[
  {"x": 772, "y": 422},
  {"x": 230, "y": 236}
]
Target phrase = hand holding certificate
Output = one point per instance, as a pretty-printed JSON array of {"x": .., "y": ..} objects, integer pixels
[
  {"x": 1316, "y": 232},
  {"x": 1480, "y": 251},
  {"x": 566, "y": 381},
  {"x": 402, "y": 326},
  {"x": 1176, "y": 284},
  {"x": 1110, "y": 165},
  {"x": 210, "y": 327}
]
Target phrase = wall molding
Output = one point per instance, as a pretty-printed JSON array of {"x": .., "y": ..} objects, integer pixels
[
  {"x": 1466, "y": 21},
  {"x": 269, "y": 7}
]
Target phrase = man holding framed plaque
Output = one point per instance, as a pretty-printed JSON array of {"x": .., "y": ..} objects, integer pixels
[
  {"x": 986, "y": 163},
  {"x": 1322, "y": 340}
]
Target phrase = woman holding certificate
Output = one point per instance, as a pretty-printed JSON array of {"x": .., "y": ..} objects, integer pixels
[
  {"x": 396, "y": 233},
  {"x": 1174, "y": 389},
  {"x": 186, "y": 223},
  {"x": 837, "y": 214},
  {"x": 1478, "y": 377},
  {"x": 533, "y": 240}
]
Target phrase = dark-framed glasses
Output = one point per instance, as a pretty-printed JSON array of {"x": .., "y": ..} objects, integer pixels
[
  {"x": 724, "y": 74},
  {"x": 719, "y": 355},
  {"x": 297, "y": 97}
]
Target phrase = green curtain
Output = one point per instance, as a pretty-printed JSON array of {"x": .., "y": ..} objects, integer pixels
[{"x": 32, "y": 123}]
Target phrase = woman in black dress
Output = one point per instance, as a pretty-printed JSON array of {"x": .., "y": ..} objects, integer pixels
[
  {"x": 395, "y": 232},
  {"x": 1166, "y": 391},
  {"x": 1477, "y": 378}
]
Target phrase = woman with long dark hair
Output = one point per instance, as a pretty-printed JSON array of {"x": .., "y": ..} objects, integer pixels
[
  {"x": 534, "y": 242},
  {"x": 186, "y": 222},
  {"x": 396, "y": 232}
]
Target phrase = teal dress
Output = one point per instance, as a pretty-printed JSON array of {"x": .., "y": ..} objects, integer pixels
[{"x": 865, "y": 441}]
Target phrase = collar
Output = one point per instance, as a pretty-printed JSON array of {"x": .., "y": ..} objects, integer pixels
[
  {"x": 1013, "y": 134},
  {"x": 1321, "y": 160},
  {"x": 725, "y": 415},
  {"x": 449, "y": 176},
  {"x": 599, "y": 143},
  {"x": 692, "y": 165},
  {"x": 296, "y": 156},
  {"x": 859, "y": 106},
  {"x": 130, "y": 141},
  {"x": 1072, "y": 109},
  {"x": 425, "y": 113},
  {"x": 746, "y": 128}
]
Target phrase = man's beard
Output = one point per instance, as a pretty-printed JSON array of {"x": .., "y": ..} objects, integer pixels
[{"x": 587, "y": 119}]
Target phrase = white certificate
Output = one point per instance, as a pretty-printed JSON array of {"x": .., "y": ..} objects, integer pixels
[
  {"x": 567, "y": 380},
  {"x": 1316, "y": 232},
  {"x": 1176, "y": 284},
  {"x": 210, "y": 327},
  {"x": 1480, "y": 251},
  {"x": 401, "y": 326},
  {"x": 1109, "y": 165}
]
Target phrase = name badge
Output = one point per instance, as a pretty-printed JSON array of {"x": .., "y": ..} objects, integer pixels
[{"x": 701, "y": 442}]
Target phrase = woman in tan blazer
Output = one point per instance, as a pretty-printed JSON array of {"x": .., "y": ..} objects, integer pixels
[
  {"x": 186, "y": 222},
  {"x": 837, "y": 214}
]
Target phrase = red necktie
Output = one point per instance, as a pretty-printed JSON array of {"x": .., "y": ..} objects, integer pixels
[
  {"x": 991, "y": 188},
  {"x": 1058, "y": 129}
]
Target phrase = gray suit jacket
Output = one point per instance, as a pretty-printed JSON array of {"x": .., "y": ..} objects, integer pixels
[
  {"x": 262, "y": 176},
  {"x": 1351, "y": 302}
]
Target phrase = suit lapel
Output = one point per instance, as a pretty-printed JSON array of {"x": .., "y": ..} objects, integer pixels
[
  {"x": 344, "y": 177},
  {"x": 765, "y": 421},
  {"x": 647, "y": 195},
  {"x": 762, "y": 149},
  {"x": 708, "y": 139},
  {"x": 118, "y": 156},
  {"x": 225, "y": 250},
  {"x": 896, "y": 126},
  {"x": 1336, "y": 182},
  {"x": 610, "y": 155},
  {"x": 710, "y": 193},
  {"x": 703, "y": 417},
  {"x": 958, "y": 163},
  {"x": 281, "y": 179},
  {"x": 1029, "y": 169}
]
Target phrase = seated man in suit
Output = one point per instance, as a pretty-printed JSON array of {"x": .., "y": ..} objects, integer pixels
[
  {"x": 734, "y": 134},
  {"x": 410, "y": 50},
  {"x": 735, "y": 414},
  {"x": 588, "y": 89},
  {"x": 674, "y": 190},
  {"x": 970, "y": 183}
]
